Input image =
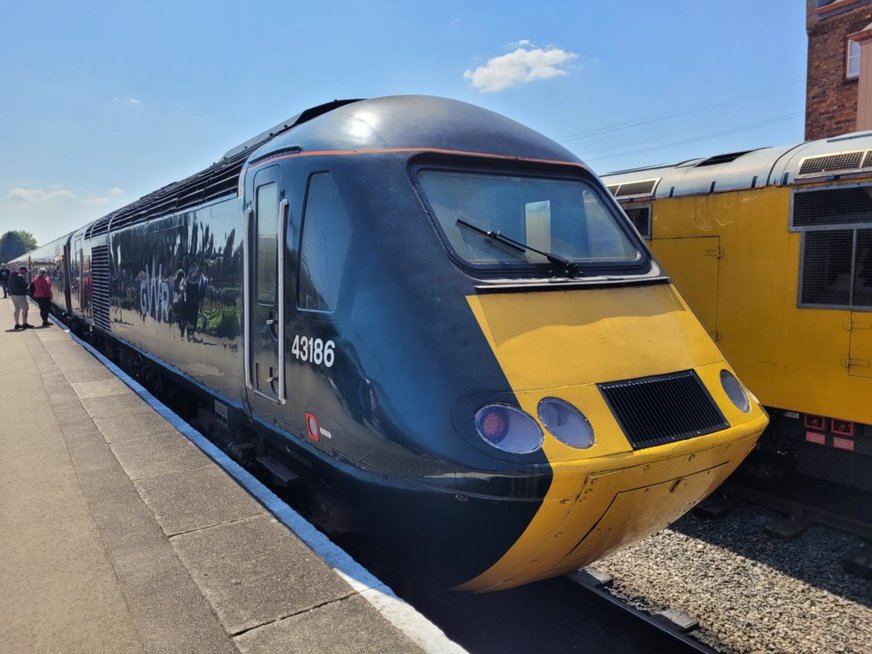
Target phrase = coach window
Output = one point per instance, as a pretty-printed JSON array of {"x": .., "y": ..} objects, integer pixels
[
  {"x": 836, "y": 259},
  {"x": 640, "y": 216},
  {"x": 267, "y": 251},
  {"x": 326, "y": 239}
]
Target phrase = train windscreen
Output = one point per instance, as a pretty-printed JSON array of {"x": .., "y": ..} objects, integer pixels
[{"x": 510, "y": 221}]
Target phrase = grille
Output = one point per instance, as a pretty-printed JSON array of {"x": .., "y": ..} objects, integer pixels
[
  {"x": 663, "y": 408},
  {"x": 826, "y": 267},
  {"x": 832, "y": 206},
  {"x": 100, "y": 286},
  {"x": 641, "y": 218},
  {"x": 643, "y": 187},
  {"x": 831, "y": 162}
]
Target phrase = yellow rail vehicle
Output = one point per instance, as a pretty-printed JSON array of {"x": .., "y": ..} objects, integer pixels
[{"x": 772, "y": 248}]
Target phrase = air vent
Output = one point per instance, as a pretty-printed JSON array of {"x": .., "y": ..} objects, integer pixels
[
  {"x": 100, "y": 286},
  {"x": 663, "y": 408},
  {"x": 832, "y": 163},
  {"x": 832, "y": 206},
  {"x": 642, "y": 188},
  {"x": 641, "y": 218},
  {"x": 722, "y": 158}
]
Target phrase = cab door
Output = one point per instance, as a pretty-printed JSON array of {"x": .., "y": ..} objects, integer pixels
[{"x": 266, "y": 218}]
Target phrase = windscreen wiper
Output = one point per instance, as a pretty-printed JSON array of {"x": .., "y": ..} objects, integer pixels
[{"x": 570, "y": 268}]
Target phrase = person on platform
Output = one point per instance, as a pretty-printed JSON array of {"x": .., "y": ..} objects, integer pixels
[
  {"x": 42, "y": 294},
  {"x": 18, "y": 290},
  {"x": 4, "y": 279}
]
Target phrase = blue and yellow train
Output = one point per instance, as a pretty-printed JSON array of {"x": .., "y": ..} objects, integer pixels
[{"x": 438, "y": 320}]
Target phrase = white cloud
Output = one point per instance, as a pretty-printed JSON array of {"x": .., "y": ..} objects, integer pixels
[
  {"x": 39, "y": 196},
  {"x": 116, "y": 191},
  {"x": 135, "y": 101},
  {"x": 526, "y": 64}
]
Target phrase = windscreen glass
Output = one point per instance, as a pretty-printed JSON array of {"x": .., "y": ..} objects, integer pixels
[{"x": 494, "y": 220}]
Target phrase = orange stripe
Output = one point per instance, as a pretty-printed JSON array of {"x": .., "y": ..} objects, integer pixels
[{"x": 343, "y": 153}]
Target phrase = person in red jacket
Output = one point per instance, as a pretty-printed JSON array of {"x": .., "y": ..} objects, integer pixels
[{"x": 42, "y": 294}]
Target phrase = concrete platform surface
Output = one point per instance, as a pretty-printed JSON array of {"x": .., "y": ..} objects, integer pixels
[{"x": 119, "y": 532}]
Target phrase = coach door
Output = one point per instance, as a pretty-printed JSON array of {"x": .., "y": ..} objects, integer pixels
[{"x": 266, "y": 219}]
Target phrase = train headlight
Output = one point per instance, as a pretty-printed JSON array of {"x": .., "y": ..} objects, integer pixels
[
  {"x": 568, "y": 424},
  {"x": 508, "y": 428},
  {"x": 735, "y": 392}
]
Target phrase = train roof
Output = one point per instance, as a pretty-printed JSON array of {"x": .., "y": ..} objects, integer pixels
[
  {"x": 416, "y": 122},
  {"x": 842, "y": 156},
  {"x": 397, "y": 122}
]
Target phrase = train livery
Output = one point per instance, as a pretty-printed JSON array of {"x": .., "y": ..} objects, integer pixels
[
  {"x": 772, "y": 248},
  {"x": 433, "y": 321}
]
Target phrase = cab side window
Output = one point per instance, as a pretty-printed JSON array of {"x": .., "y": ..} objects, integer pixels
[{"x": 325, "y": 242}]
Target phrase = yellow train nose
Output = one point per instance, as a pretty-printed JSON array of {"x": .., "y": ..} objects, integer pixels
[{"x": 594, "y": 508}]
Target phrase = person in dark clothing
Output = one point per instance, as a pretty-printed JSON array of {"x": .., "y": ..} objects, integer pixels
[
  {"x": 4, "y": 279},
  {"x": 42, "y": 294},
  {"x": 18, "y": 290}
]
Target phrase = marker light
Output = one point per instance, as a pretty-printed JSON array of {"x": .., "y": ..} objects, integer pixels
[
  {"x": 735, "y": 392},
  {"x": 568, "y": 424},
  {"x": 312, "y": 428},
  {"x": 508, "y": 429}
]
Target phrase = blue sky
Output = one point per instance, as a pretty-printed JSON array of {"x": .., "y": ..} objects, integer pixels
[{"x": 103, "y": 102}]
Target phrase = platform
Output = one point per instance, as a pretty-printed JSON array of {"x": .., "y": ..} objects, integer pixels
[{"x": 122, "y": 530}]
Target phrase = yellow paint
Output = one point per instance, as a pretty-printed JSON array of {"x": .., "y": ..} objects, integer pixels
[
  {"x": 810, "y": 360},
  {"x": 563, "y": 343}
]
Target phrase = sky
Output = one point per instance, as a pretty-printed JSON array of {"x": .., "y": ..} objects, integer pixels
[{"x": 104, "y": 102}]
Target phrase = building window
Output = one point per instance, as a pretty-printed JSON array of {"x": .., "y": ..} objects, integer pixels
[
  {"x": 853, "y": 67},
  {"x": 836, "y": 260}
]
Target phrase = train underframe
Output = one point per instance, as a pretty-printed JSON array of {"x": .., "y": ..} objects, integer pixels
[{"x": 820, "y": 447}]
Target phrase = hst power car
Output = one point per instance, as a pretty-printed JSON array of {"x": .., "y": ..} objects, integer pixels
[{"x": 435, "y": 321}]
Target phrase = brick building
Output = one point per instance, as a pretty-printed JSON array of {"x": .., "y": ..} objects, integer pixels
[{"x": 839, "y": 82}]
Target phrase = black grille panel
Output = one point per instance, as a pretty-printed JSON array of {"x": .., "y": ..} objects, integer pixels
[
  {"x": 663, "y": 409},
  {"x": 831, "y": 162},
  {"x": 826, "y": 267},
  {"x": 840, "y": 206},
  {"x": 100, "y": 286},
  {"x": 643, "y": 187}
]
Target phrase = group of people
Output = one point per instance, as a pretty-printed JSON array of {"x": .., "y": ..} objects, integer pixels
[{"x": 15, "y": 285}]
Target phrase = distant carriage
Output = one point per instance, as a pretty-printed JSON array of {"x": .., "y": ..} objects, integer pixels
[{"x": 772, "y": 248}]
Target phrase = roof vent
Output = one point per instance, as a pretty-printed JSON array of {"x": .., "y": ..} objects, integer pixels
[
  {"x": 641, "y": 189},
  {"x": 722, "y": 158},
  {"x": 832, "y": 163}
]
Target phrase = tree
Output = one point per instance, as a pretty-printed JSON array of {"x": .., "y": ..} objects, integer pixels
[{"x": 14, "y": 244}]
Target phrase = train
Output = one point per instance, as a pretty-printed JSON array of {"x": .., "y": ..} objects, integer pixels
[
  {"x": 431, "y": 322},
  {"x": 772, "y": 248}
]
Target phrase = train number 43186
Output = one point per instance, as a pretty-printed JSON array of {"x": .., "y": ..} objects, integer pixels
[{"x": 307, "y": 348}]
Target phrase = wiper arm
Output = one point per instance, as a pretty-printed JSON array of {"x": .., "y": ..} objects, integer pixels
[{"x": 570, "y": 268}]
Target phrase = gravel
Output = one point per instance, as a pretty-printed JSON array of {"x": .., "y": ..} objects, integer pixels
[{"x": 750, "y": 592}]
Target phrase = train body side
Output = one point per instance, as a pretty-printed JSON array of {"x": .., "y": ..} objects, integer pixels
[{"x": 739, "y": 260}]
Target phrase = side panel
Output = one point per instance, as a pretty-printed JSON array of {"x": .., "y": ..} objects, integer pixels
[
  {"x": 693, "y": 265},
  {"x": 791, "y": 357},
  {"x": 175, "y": 294}
]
